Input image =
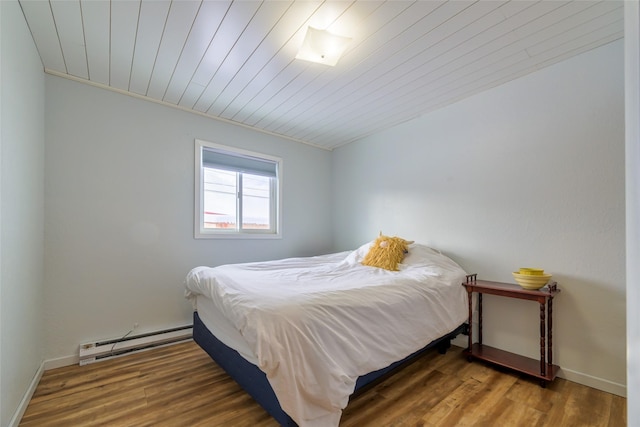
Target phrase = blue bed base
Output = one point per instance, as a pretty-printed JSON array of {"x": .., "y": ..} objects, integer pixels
[{"x": 255, "y": 382}]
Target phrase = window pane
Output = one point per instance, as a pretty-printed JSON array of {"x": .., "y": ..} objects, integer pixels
[
  {"x": 237, "y": 193},
  {"x": 256, "y": 202},
  {"x": 220, "y": 203}
]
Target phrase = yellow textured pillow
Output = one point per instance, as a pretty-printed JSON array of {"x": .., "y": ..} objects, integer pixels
[{"x": 386, "y": 252}]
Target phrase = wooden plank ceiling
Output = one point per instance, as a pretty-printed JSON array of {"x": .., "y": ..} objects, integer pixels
[{"x": 235, "y": 60}]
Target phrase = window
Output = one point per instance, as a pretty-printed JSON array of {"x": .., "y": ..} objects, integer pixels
[{"x": 237, "y": 193}]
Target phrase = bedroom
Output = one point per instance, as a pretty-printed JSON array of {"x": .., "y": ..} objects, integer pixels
[{"x": 90, "y": 267}]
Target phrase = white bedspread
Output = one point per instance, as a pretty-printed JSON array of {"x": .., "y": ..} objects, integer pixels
[{"x": 316, "y": 324}]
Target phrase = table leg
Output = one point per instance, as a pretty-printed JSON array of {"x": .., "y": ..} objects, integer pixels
[
  {"x": 479, "y": 318},
  {"x": 470, "y": 298},
  {"x": 542, "y": 340},
  {"x": 549, "y": 328}
]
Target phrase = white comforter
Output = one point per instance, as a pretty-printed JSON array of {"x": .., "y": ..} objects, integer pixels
[{"x": 316, "y": 324}]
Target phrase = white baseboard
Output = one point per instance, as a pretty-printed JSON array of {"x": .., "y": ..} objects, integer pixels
[
  {"x": 593, "y": 382},
  {"x": 61, "y": 362},
  {"x": 22, "y": 407}
]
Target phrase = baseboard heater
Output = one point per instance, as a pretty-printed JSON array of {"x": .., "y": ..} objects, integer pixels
[{"x": 108, "y": 349}]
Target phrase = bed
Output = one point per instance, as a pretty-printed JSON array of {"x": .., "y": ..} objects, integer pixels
[{"x": 300, "y": 335}]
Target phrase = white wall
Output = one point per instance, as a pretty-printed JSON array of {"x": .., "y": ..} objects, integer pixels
[
  {"x": 119, "y": 202},
  {"x": 529, "y": 174},
  {"x": 632, "y": 126},
  {"x": 21, "y": 212}
]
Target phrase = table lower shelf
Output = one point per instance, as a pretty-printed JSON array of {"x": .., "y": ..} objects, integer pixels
[{"x": 513, "y": 361}]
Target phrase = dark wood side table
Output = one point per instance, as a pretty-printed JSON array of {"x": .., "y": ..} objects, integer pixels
[{"x": 543, "y": 369}]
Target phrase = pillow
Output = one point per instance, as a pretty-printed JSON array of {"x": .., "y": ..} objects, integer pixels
[
  {"x": 386, "y": 252},
  {"x": 420, "y": 255},
  {"x": 356, "y": 256}
]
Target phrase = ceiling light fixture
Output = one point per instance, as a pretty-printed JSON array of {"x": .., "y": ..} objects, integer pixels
[{"x": 322, "y": 47}]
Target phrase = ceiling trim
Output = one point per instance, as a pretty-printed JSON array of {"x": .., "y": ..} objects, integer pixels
[{"x": 179, "y": 107}]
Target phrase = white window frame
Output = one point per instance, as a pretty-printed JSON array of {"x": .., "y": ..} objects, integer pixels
[{"x": 200, "y": 232}]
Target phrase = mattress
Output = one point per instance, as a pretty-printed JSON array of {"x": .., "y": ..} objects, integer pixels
[
  {"x": 314, "y": 325},
  {"x": 222, "y": 329}
]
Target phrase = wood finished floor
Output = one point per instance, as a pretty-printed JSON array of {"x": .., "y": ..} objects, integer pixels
[{"x": 180, "y": 385}]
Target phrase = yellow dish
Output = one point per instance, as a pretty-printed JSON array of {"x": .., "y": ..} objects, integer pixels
[
  {"x": 531, "y": 281},
  {"x": 532, "y": 271}
]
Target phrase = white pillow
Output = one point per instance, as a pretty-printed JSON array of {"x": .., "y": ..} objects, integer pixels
[
  {"x": 419, "y": 255},
  {"x": 358, "y": 255}
]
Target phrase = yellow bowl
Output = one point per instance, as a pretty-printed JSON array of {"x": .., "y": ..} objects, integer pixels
[
  {"x": 532, "y": 271},
  {"x": 531, "y": 281}
]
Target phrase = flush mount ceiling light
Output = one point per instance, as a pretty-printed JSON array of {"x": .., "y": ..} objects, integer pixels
[{"x": 322, "y": 47}]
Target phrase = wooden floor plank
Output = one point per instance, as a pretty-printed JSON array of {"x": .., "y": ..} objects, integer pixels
[
  {"x": 618, "y": 414},
  {"x": 180, "y": 385}
]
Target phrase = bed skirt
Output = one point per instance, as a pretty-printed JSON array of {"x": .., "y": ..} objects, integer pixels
[{"x": 255, "y": 382}]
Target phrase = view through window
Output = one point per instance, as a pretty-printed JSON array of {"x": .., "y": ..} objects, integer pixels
[
  {"x": 238, "y": 192},
  {"x": 222, "y": 204}
]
